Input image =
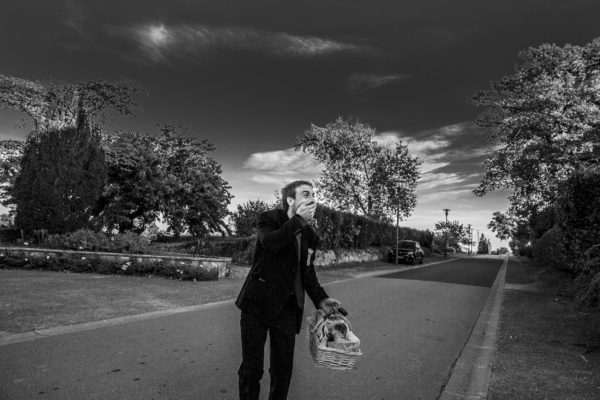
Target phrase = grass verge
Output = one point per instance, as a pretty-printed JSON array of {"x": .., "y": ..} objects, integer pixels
[{"x": 547, "y": 348}]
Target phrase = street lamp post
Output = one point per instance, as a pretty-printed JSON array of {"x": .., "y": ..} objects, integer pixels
[
  {"x": 446, "y": 233},
  {"x": 397, "y": 222}
]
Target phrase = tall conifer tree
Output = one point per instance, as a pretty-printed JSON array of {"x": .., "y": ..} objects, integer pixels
[{"x": 62, "y": 177}]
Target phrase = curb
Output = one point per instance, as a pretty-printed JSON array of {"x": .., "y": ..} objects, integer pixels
[
  {"x": 470, "y": 375},
  {"x": 59, "y": 330}
]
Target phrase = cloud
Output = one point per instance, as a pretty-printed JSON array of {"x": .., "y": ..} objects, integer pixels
[
  {"x": 161, "y": 42},
  {"x": 275, "y": 167},
  {"x": 359, "y": 82},
  {"x": 74, "y": 17},
  {"x": 430, "y": 151},
  {"x": 450, "y": 157},
  {"x": 445, "y": 196},
  {"x": 432, "y": 180}
]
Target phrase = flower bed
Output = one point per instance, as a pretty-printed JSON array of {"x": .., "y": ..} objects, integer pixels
[{"x": 172, "y": 266}]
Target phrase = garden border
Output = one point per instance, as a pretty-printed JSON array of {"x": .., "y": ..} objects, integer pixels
[{"x": 222, "y": 264}]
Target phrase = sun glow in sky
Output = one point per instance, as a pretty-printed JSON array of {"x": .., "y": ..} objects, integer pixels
[
  {"x": 250, "y": 77},
  {"x": 158, "y": 34}
]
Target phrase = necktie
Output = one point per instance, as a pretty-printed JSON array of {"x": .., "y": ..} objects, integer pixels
[{"x": 298, "y": 281}]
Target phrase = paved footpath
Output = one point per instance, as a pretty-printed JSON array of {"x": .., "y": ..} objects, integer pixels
[{"x": 413, "y": 326}]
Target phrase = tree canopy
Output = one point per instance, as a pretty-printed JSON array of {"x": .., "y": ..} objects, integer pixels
[
  {"x": 360, "y": 175},
  {"x": 453, "y": 231},
  {"x": 54, "y": 105},
  {"x": 502, "y": 224},
  {"x": 484, "y": 246},
  {"x": 11, "y": 153},
  {"x": 244, "y": 219},
  {"x": 545, "y": 124},
  {"x": 168, "y": 175}
]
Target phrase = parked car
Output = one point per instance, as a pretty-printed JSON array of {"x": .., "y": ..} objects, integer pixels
[{"x": 409, "y": 251}]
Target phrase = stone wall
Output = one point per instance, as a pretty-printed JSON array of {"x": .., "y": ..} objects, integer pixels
[
  {"x": 327, "y": 258},
  {"x": 222, "y": 264}
]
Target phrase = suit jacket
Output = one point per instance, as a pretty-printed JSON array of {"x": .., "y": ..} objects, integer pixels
[{"x": 271, "y": 279}]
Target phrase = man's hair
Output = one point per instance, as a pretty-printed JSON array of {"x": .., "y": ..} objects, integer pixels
[{"x": 289, "y": 190}]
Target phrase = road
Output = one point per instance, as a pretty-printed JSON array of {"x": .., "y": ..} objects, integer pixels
[{"x": 412, "y": 326}]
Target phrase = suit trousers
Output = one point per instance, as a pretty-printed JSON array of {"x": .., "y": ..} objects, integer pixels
[{"x": 282, "y": 334}]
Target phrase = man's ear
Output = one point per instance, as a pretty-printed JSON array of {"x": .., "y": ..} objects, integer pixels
[{"x": 290, "y": 201}]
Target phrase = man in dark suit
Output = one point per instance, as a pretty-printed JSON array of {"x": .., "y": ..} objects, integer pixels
[{"x": 272, "y": 298}]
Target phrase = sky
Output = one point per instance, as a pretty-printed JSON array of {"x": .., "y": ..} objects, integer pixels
[{"x": 252, "y": 76}]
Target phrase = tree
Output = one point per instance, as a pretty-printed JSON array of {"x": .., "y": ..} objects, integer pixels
[
  {"x": 502, "y": 224},
  {"x": 484, "y": 246},
  {"x": 54, "y": 105},
  {"x": 361, "y": 176},
  {"x": 545, "y": 122},
  {"x": 169, "y": 176},
  {"x": 11, "y": 152},
  {"x": 196, "y": 196},
  {"x": 61, "y": 178},
  {"x": 452, "y": 231},
  {"x": 244, "y": 219},
  {"x": 132, "y": 195}
]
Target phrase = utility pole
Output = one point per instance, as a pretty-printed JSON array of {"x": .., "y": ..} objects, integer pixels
[
  {"x": 477, "y": 241},
  {"x": 470, "y": 239},
  {"x": 446, "y": 234}
]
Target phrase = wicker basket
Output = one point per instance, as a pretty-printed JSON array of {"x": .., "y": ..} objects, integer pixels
[{"x": 327, "y": 357}]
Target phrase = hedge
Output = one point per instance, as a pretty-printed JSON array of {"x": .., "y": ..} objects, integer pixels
[
  {"x": 549, "y": 250},
  {"x": 337, "y": 230},
  {"x": 341, "y": 230},
  {"x": 573, "y": 244},
  {"x": 578, "y": 211}
]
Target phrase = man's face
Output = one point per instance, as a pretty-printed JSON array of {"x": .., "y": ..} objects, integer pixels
[{"x": 304, "y": 194}]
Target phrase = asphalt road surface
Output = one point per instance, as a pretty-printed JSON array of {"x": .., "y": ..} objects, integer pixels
[{"x": 412, "y": 325}]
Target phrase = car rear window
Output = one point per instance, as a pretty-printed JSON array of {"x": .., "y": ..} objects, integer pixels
[{"x": 407, "y": 245}]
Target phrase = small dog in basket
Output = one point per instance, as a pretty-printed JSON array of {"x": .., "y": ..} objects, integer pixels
[{"x": 333, "y": 330}]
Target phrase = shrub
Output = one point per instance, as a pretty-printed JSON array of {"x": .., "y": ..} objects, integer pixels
[
  {"x": 9, "y": 235},
  {"x": 85, "y": 239},
  {"x": 128, "y": 242},
  {"x": 578, "y": 211},
  {"x": 549, "y": 250},
  {"x": 101, "y": 266},
  {"x": 588, "y": 288},
  {"x": 82, "y": 239}
]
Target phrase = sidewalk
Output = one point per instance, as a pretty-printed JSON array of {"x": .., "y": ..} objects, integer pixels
[{"x": 546, "y": 349}]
